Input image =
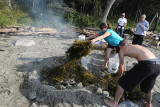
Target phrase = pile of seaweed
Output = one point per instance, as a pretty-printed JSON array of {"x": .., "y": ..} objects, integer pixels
[{"x": 72, "y": 69}]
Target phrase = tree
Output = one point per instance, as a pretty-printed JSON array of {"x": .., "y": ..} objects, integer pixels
[
  {"x": 108, "y": 7},
  {"x": 9, "y": 4},
  {"x": 156, "y": 22}
]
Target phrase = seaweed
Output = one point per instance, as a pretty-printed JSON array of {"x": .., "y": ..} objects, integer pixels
[
  {"x": 73, "y": 69},
  {"x": 78, "y": 50}
]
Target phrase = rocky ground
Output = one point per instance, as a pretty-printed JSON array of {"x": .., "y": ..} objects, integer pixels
[{"x": 20, "y": 67}]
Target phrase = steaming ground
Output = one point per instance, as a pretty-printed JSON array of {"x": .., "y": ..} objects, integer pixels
[{"x": 20, "y": 66}]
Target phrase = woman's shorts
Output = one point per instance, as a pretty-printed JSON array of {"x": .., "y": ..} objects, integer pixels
[{"x": 116, "y": 47}]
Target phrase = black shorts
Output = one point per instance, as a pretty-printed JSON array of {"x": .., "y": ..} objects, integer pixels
[
  {"x": 116, "y": 47},
  {"x": 144, "y": 73}
]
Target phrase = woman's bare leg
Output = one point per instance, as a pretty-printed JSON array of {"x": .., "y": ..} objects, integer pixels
[{"x": 107, "y": 53}]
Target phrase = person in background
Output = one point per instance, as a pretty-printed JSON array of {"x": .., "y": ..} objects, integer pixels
[
  {"x": 140, "y": 30},
  {"x": 144, "y": 73},
  {"x": 122, "y": 22},
  {"x": 111, "y": 37}
]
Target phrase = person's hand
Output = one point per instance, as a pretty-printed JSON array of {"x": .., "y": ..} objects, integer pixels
[
  {"x": 92, "y": 41},
  {"x": 140, "y": 25},
  {"x": 117, "y": 29}
]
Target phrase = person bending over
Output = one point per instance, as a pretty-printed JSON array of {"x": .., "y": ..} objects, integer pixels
[{"x": 144, "y": 73}]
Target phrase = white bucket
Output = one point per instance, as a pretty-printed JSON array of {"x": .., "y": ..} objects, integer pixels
[
  {"x": 113, "y": 65},
  {"x": 81, "y": 37}
]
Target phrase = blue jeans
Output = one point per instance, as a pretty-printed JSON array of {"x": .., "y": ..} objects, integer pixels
[{"x": 120, "y": 32}]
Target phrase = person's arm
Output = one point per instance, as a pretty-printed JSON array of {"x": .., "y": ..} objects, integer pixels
[
  {"x": 101, "y": 37},
  {"x": 125, "y": 23},
  {"x": 117, "y": 26},
  {"x": 136, "y": 27},
  {"x": 146, "y": 27},
  {"x": 121, "y": 64},
  {"x": 93, "y": 36}
]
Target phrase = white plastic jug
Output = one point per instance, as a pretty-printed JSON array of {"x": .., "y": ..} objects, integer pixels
[
  {"x": 81, "y": 37},
  {"x": 84, "y": 62},
  {"x": 113, "y": 64}
]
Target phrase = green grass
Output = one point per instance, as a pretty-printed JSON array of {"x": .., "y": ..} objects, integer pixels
[{"x": 12, "y": 17}]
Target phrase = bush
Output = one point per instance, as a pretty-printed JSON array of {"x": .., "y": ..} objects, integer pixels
[
  {"x": 11, "y": 17},
  {"x": 81, "y": 20}
]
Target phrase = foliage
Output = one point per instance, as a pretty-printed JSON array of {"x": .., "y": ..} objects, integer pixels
[
  {"x": 81, "y": 20},
  {"x": 11, "y": 17},
  {"x": 96, "y": 8}
]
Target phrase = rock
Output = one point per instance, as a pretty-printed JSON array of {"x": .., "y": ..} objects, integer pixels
[
  {"x": 105, "y": 94},
  {"x": 24, "y": 43},
  {"x": 99, "y": 91},
  {"x": 61, "y": 87},
  {"x": 40, "y": 59},
  {"x": 34, "y": 105},
  {"x": 33, "y": 75},
  {"x": 2, "y": 72},
  {"x": 33, "y": 29},
  {"x": 40, "y": 99},
  {"x": 32, "y": 95},
  {"x": 44, "y": 41},
  {"x": 80, "y": 85},
  {"x": 37, "y": 60},
  {"x": 45, "y": 82},
  {"x": 68, "y": 82}
]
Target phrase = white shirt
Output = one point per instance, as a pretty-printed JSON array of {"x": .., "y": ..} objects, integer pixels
[{"x": 121, "y": 22}]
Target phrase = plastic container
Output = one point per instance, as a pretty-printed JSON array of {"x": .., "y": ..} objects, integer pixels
[
  {"x": 127, "y": 103},
  {"x": 113, "y": 64},
  {"x": 81, "y": 37},
  {"x": 100, "y": 45},
  {"x": 84, "y": 62}
]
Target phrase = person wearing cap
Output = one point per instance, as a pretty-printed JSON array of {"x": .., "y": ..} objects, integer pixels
[
  {"x": 144, "y": 73},
  {"x": 122, "y": 22},
  {"x": 111, "y": 37},
  {"x": 140, "y": 30}
]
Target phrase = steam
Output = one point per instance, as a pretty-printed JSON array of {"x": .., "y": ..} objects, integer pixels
[{"x": 45, "y": 13}]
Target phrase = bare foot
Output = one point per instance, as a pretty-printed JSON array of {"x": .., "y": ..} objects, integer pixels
[
  {"x": 104, "y": 68},
  {"x": 146, "y": 104},
  {"x": 110, "y": 103}
]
